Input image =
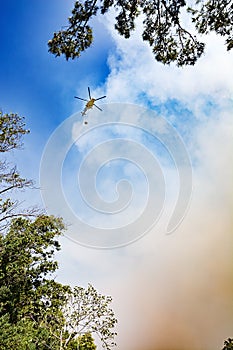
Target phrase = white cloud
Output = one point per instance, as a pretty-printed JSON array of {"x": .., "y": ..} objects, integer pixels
[
  {"x": 175, "y": 291},
  {"x": 172, "y": 291},
  {"x": 135, "y": 71}
]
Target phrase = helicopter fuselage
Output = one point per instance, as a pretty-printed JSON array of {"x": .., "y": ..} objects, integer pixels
[{"x": 90, "y": 103}]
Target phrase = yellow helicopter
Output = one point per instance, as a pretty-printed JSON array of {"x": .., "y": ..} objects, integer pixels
[{"x": 90, "y": 103}]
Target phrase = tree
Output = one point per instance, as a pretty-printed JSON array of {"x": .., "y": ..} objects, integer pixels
[
  {"x": 12, "y": 128},
  {"x": 23, "y": 335},
  {"x": 163, "y": 29},
  {"x": 228, "y": 344},
  {"x": 35, "y": 306},
  {"x": 86, "y": 342},
  {"x": 26, "y": 267},
  {"x": 28, "y": 292},
  {"x": 85, "y": 312}
]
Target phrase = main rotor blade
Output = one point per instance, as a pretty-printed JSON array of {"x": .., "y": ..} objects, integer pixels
[
  {"x": 100, "y": 98},
  {"x": 83, "y": 99},
  {"x": 89, "y": 92},
  {"x": 98, "y": 107}
]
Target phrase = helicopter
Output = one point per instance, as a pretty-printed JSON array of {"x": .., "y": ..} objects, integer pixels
[{"x": 90, "y": 103}]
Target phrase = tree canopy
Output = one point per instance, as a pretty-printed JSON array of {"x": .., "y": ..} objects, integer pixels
[
  {"x": 12, "y": 129},
  {"x": 36, "y": 311},
  {"x": 162, "y": 26}
]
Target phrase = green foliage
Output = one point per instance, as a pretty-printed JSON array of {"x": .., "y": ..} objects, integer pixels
[
  {"x": 228, "y": 344},
  {"x": 28, "y": 293},
  {"x": 35, "y": 309},
  {"x": 27, "y": 335},
  {"x": 86, "y": 342},
  {"x": 23, "y": 335},
  {"x": 78, "y": 36},
  {"x": 214, "y": 16},
  {"x": 89, "y": 311},
  {"x": 165, "y": 34},
  {"x": 36, "y": 312},
  {"x": 163, "y": 30},
  {"x": 12, "y": 128},
  {"x": 26, "y": 265},
  {"x": 84, "y": 312},
  {"x": 10, "y": 180}
]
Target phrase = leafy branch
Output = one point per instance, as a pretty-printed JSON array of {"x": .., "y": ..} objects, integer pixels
[{"x": 170, "y": 41}]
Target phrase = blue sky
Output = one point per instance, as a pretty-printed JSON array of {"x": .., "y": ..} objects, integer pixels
[
  {"x": 33, "y": 82},
  {"x": 185, "y": 276}
]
